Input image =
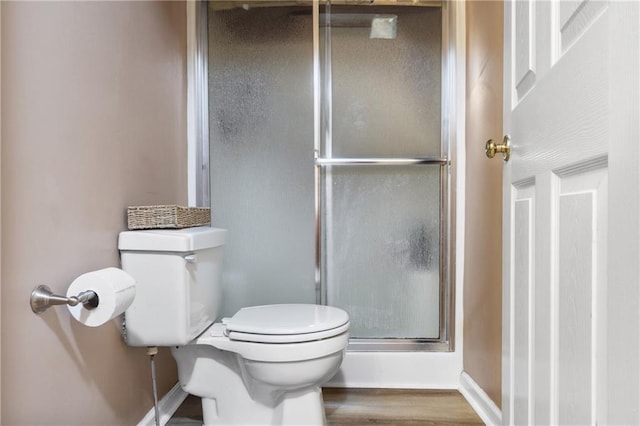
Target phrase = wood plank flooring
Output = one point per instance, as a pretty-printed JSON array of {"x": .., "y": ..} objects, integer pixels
[{"x": 349, "y": 407}]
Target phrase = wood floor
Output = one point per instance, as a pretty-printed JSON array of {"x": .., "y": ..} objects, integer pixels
[
  {"x": 350, "y": 407},
  {"x": 397, "y": 407}
]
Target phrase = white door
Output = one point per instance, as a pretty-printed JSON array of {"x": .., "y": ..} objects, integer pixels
[{"x": 571, "y": 317}]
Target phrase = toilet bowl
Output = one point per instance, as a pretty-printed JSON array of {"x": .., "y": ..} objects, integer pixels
[
  {"x": 262, "y": 366},
  {"x": 276, "y": 377}
]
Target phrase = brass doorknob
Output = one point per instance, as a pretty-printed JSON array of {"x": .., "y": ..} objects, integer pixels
[{"x": 491, "y": 148}]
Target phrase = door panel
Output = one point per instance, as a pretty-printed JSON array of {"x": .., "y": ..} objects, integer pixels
[
  {"x": 522, "y": 278},
  {"x": 383, "y": 227},
  {"x": 575, "y": 18},
  {"x": 557, "y": 306},
  {"x": 525, "y": 41},
  {"x": 574, "y": 308},
  {"x": 564, "y": 107},
  {"x": 380, "y": 254},
  {"x": 581, "y": 225},
  {"x": 547, "y": 187},
  {"x": 261, "y": 164},
  {"x": 559, "y": 80}
]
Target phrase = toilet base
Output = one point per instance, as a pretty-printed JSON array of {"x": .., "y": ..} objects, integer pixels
[
  {"x": 296, "y": 408},
  {"x": 272, "y": 390}
]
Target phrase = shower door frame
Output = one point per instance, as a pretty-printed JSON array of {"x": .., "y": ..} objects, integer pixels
[
  {"x": 446, "y": 338},
  {"x": 199, "y": 180}
]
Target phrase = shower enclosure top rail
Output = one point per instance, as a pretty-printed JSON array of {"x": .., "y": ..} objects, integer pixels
[
  {"x": 246, "y": 4},
  {"x": 322, "y": 162}
]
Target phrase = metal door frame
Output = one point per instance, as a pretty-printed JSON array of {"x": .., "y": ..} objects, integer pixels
[
  {"x": 198, "y": 142},
  {"x": 322, "y": 162}
]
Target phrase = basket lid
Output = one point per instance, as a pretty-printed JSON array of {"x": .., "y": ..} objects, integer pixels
[{"x": 176, "y": 240}]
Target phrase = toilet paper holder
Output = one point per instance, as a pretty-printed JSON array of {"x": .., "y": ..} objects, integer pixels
[{"x": 42, "y": 298}]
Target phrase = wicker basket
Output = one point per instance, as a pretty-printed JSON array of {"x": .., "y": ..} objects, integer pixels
[{"x": 171, "y": 216}]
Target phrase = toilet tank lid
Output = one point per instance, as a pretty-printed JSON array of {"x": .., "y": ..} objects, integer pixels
[{"x": 175, "y": 240}]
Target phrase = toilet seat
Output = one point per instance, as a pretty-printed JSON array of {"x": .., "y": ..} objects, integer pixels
[
  {"x": 216, "y": 336},
  {"x": 287, "y": 338},
  {"x": 286, "y": 323}
]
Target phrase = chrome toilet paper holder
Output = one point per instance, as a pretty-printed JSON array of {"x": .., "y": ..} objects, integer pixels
[{"x": 42, "y": 298}]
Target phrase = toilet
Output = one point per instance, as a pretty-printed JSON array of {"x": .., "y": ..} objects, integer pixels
[{"x": 262, "y": 366}]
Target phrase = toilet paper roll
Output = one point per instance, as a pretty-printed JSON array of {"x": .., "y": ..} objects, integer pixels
[{"x": 115, "y": 289}]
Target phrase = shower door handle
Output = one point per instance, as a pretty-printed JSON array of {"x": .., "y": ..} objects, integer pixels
[{"x": 417, "y": 161}]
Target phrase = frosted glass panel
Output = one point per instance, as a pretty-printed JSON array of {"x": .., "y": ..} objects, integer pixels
[
  {"x": 382, "y": 249},
  {"x": 261, "y": 144},
  {"x": 386, "y": 93}
]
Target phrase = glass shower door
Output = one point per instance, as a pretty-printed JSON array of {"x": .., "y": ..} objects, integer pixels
[
  {"x": 384, "y": 172},
  {"x": 261, "y": 147},
  {"x": 328, "y": 164}
]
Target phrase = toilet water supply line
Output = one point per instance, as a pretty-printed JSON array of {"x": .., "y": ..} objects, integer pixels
[{"x": 152, "y": 351}]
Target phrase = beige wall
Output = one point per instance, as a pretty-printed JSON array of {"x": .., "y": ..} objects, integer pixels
[
  {"x": 483, "y": 233},
  {"x": 93, "y": 114}
]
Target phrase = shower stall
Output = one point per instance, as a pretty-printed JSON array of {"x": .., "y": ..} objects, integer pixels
[{"x": 328, "y": 161}]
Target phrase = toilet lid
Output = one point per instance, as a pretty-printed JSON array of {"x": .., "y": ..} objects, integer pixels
[
  {"x": 286, "y": 323},
  {"x": 287, "y": 338}
]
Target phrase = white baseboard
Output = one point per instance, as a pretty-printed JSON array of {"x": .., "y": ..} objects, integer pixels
[
  {"x": 167, "y": 406},
  {"x": 411, "y": 370},
  {"x": 480, "y": 401}
]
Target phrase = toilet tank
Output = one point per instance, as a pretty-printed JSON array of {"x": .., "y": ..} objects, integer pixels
[{"x": 178, "y": 288}]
